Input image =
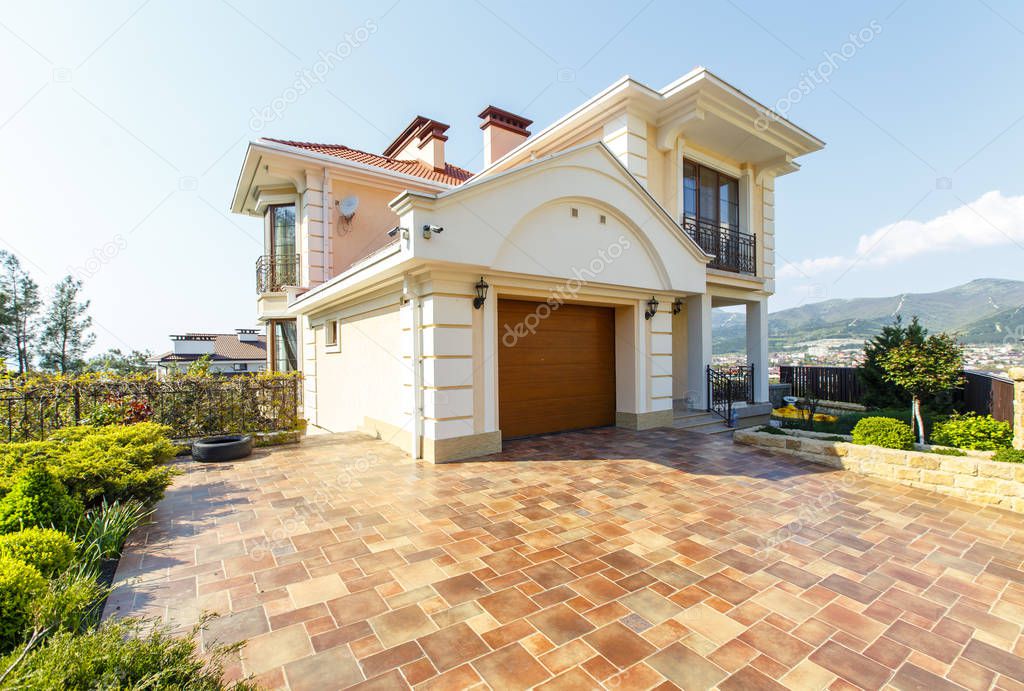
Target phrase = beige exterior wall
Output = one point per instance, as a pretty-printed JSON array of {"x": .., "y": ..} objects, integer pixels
[
  {"x": 360, "y": 384},
  {"x": 367, "y": 231}
]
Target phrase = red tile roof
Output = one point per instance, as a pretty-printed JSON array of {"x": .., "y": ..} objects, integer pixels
[{"x": 451, "y": 175}]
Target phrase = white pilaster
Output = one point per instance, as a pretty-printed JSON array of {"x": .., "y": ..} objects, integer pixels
[
  {"x": 659, "y": 358},
  {"x": 698, "y": 347},
  {"x": 311, "y": 230},
  {"x": 757, "y": 346}
]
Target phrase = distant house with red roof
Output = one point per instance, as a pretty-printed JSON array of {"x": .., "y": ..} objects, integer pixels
[{"x": 241, "y": 352}]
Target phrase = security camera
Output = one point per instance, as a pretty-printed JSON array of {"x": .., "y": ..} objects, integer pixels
[{"x": 428, "y": 229}]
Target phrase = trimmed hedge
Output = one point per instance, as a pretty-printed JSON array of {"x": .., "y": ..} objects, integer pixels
[
  {"x": 20, "y": 584},
  {"x": 970, "y": 431},
  {"x": 38, "y": 500},
  {"x": 886, "y": 432},
  {"x": 50, "y": 551},
  {"x": 1009, "y": 455},
  {"x": 116, "y": 463}
]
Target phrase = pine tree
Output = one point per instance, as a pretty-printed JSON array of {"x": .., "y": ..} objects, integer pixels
[
  {"x": 879, "y": 391},
  {"x": 19, "y": 306},
  {"x": 65, "y": 329}
]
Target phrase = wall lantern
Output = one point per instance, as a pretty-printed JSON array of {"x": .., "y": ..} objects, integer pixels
[
  {"x": 677, "y": 306},
  {"x": 481, "y": 293},
  {"x": 652, "y": 307}
]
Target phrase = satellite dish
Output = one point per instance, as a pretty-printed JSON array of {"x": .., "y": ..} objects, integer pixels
[{"x": 347, "y": 206}]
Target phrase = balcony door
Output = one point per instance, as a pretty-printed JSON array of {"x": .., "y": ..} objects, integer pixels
[
  {"x": 283, "y": 250},
  {"x": 710, "y": 198},
  {"x": 284, "y": 345}
]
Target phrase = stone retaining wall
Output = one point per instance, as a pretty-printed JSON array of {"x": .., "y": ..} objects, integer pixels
[{"x": 973, "y": 478}]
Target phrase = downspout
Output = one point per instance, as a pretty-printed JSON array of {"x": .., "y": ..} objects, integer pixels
[{"x": 417, "y": 368}]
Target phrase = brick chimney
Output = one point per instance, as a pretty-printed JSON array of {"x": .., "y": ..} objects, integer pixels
[
  {"x": 503, "y": 131},
  {"x": 423, "y": 140}
]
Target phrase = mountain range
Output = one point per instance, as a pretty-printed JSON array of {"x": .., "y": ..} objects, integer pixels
[{"x": 986, "y": 310}]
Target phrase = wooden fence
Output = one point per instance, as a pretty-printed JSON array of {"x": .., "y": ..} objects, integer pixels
[
  {"x": 986, "y": 394},
  {"x": 826, "y": 383},
  {"x": 982, "y": 393}
]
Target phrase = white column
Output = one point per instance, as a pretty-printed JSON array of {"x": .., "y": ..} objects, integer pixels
[
  {"x": 659, "y": 359},
  {"x": 310, "y": 230},
  {"x": 757, "y": 346},
  {"x": 698, "y": 347}
]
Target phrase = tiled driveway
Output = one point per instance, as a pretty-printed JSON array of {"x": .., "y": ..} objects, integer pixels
[{"x": 610, "y": 558}]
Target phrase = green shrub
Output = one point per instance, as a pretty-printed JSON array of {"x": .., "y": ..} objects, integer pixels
[
  {"x": 970, "y": 431},
  {"x": 116, "y": 463},
  {"x": 71, "y": 602},
  {"x": 38, "y": 499},
  {"x": 768, "y": 429},
  {"x": 50, "y": 551},
  {"x": 123, "y": 654},
  {"x": 886, "y": 432},
  {"x": 20, "y": 584},
  {"x": 948, "y": 452},
  {"x": 1009, "y": 455}
]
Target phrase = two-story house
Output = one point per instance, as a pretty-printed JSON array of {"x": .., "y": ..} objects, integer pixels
[{"x": 568, "y": 284}]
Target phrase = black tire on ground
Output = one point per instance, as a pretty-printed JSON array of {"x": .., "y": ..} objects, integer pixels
[{"x": 229, "y": 447}]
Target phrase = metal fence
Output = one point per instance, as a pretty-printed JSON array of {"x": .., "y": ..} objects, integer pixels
[
  {"x": 192, "y": 406},
  {"x": 825, "y": 383}
]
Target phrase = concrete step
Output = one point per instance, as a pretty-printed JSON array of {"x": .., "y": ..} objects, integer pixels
[{"x": 710, "y": 423}]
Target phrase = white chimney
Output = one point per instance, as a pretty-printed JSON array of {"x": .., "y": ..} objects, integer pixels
[
  {"x": 248, "y": 335},
  {"x": 193, "y": 344},
  {"x": 503, "y": 131}
]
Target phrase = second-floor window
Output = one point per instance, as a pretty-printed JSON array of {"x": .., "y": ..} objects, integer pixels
[
  {"x": 710, "y": 197},
  {"x": 282, "y": 230}
]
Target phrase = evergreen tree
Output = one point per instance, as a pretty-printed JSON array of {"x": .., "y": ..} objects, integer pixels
[
  {"x": 65, "y": 329},
  {"x": 118, "y": 362},
  {"x": 19, "y": 306},
  {"x": 879, "y": 390}
]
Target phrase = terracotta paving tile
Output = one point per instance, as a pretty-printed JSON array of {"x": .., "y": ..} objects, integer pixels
[
  {"x": 619, "y": 645},
  {"x": 750, "y": 679},
  {"x": 511, "y": 668},
  {"x": 357, "y": 607},
  {"x": 851, "y": 666},
  {"x": 640, "y": 566},
  {"x": 924, "y": 641},
  {"x": 336, "y": 668},
  {"x": 462, "y": 588},
  {"x": 685, "y": 668},
  {"x": 574, "y": 679},
  {"x": 997, "y": 660},
  {"x": 507, "y": 605},
  {"x": 453, "y": 646},
  {"x": 561, "y": 624},
  {"x": 401, "y": 625}
]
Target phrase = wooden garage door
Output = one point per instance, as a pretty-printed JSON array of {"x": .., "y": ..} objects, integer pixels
[{"x": 561, "y": 376}]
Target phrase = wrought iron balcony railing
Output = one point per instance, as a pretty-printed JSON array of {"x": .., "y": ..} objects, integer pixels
[
  {"x": 732, "y": 250},
  {"x": 274, "y": 271}
]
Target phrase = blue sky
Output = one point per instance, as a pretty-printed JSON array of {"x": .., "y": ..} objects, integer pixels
[{"x": 122, "y": 129}]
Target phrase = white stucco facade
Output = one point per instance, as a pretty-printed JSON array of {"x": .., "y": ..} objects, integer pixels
[{"x": 585, "y": 213}]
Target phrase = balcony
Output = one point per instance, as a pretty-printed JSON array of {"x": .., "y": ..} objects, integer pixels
[
  {"x": 731, "y": 249},
  {"x": 274, "y": 272}
]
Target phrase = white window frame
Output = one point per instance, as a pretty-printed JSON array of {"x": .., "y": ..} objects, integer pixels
[{"x": 332, "y": 326}]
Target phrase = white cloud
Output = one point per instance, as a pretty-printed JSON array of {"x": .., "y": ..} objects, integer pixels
[{"x": 989, "y": 221}]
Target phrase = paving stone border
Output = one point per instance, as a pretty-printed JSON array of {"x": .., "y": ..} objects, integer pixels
[{"x": 973, "y": 477}]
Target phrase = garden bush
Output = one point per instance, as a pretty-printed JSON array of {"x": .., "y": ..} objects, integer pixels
[
  {"x": 71, "y": 602},
  {"x": 886, "y": 432},
  {"x": 38, "y": 500},
  {"x": 970, "y": 431},
  {"x": 124, "y": 654},
  {"x": 50, "y": 551},
  {"x": 116, "y": 463},
  {"x": 1009, "y": 455},
  {"x": 20, "y": 584}
]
